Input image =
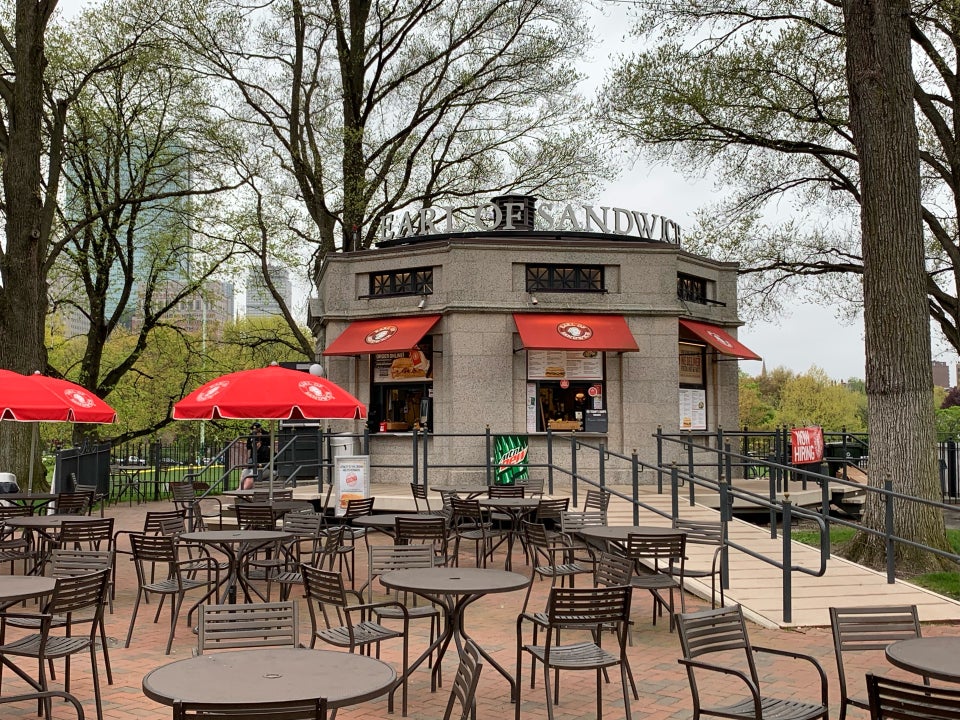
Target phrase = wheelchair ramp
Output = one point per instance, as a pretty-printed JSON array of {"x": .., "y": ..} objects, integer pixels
[{"x": 758, "y": 586}]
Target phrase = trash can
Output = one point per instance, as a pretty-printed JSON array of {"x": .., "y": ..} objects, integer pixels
[
  {"x": 836, "y": 455},
  {"x": 8, "y": 483}
]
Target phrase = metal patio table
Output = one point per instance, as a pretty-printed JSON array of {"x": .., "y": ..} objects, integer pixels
[
  {"x": 516, "y": 509},
  {"x": 46, "y": 529},
  {"x": 267, "y": 675},
  {"x": 32, "y": 500},
  {"x": 14, "y": 588},
  {"x": 935, "y": 657},
  {"x": 614, "y": 536},
  {"x": 236, "y": 545},
  {"x": 453, "y": 589},
  {"x": 385, "y": 523},
  {"x": 467, "y": 492}
]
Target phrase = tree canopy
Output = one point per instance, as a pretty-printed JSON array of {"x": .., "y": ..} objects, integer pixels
[{"x": 755, "y": 90}]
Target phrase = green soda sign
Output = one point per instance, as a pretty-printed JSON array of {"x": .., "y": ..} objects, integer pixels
[{"x": 510, "y": 456}]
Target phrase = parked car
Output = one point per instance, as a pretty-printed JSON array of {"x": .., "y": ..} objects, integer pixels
[
  {"x": 167, "y": 462},
  {"x": 134, "y": 460}
]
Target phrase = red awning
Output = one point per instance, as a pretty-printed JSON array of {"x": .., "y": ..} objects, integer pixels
[
  {"x": 719, "y": 339},
  {"x": 540, "y": 331},
  {"x": 382, "y": 335}
]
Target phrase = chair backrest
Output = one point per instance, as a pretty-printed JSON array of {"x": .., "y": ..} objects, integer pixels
[
  {"x": 289, "y": 710},
  {"x": 386, "y": 558},
  {"x": 858, "y": 629},
  {"x": 573, "y": 520},
  {"x": 656, "y": 551},
  {"x": 248, "y": 625},
  {"x": 597, "y": 500},
  {"x": 419, "y": 493},
  {"x": 173, "y": 526},
  {"x": 332, "y": 541},
  {"x": 88, "y": 489},
  {"x": 505, "y": 491},
  {"x": 533, "y": 487},
  {"x": 94, "y": 533},
  {"x": 303, "y": 525},
  {"x": 149, "y": 549},
  {"x": 719, "y": 630},
  {"x": 611, "y": 570},
  {"x": 701, "y": 532},
  {"x": 536, "y": 536},
  {"x": 68, "y": 563},
  {"x": 14, "y": 511},
  {"x": 324, "y": 592},
  {"x": 79, "y": 592},
  {"x": 73, "y": 503},
  {"x": 153, "y": 522},
  {"x": 357, "y": 507},
  {"x": 256, "y": 517},
  {"x": 464, "y": 688},
  {"x": 589, "y": 607},
  {"x": 466, "y": 511},
  {"x": 261, "y": 494},
  {"x": 550, "y": 510},
  {"x": 183, "y": 494},
  {"x": 892, "y": 699},
  {"x": 430, "y": 529}
]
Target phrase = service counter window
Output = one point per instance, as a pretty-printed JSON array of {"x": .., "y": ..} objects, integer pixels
[
  {"x": 402, "y": 389},
  {"x": 565, "y": 391},
  {"x": 693, "y": 386}
]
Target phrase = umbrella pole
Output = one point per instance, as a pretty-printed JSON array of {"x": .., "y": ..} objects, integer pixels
[
  {"x": 33, "y": 453},
  {"x": 273, "y": 425}
]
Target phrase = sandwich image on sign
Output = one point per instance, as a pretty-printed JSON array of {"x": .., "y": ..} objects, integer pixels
[
  {"x": 554, "y": 371},
  {"x": 412, "y": 365}
]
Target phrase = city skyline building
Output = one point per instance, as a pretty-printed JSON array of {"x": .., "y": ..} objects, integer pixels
[{"x": 259, "y": 301}]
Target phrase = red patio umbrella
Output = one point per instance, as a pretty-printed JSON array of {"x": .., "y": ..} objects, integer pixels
[
  {"x": 38, "y": 398},
  {"x": 270, "y": 393}
]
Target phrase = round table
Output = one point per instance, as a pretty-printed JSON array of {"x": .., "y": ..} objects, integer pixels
[
  {"x": 516, "y": 508},
  {"x": 605, "y": 535},
  {"x": 935, "y": 657},
  {"x": 236, "y": 545},
  {"x": 280, "y": 507},
  {"x": 383, "y": 523},
  {"x": 33, "y": 500},
  {"x": 468, "y": 492},
  {"x": 14, "y": 588},
  {"x": 453, "y": 589},
  {"x": 44, "y": 526},
  {"x": 267, "y": 675}
]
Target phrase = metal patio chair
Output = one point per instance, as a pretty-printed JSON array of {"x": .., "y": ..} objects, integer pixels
[
  {"x": 658, "y": 562},
  {"x": 892, "y": 699},
  {"x": 464, "y": 690},
  {"x": 248, "y": 625},
  {"x": 290, "y": 710}
]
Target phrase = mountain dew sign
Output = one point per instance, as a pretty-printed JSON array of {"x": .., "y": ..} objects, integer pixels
[{"x": 510, "y": 456}]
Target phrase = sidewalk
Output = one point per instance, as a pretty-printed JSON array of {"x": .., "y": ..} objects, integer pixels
[{"x": 664, "y": 692}]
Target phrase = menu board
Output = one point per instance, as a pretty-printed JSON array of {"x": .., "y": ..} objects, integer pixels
[
  {"x": 564, "y": 365},
  {"x": 693, "y": 409},
  {"x": 691, "y": 364}
]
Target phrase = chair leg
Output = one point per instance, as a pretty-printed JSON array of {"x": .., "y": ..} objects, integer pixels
[
  {"x": 96, "y": 680},
  {"x": 174, "y": 612},
  {"x": 133, "y": 618},
  {"x": 106, "y": 653}
]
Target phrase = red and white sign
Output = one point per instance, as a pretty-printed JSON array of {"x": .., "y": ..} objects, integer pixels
[
  {"x": 807, "y": 445},
  {"x": 564, "y": 383}
]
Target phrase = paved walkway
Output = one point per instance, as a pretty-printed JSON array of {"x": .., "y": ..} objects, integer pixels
[{"x": 664, "y": 692}]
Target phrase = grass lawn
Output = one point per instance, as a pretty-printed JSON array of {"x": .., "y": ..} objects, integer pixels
[{"x": 945, "y": 583}]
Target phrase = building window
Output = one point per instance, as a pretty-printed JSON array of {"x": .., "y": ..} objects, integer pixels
[
  {"x": 402, "y": 389},
  {"x": 696, "y": 290},
  {"x": 566, "y": 389},
  {"x": 692, "y": 289},
  {"x": 565, "y": 278},
  {"x": 416, "y": 281}
]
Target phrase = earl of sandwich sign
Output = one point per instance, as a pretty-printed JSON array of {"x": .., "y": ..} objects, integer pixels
[
  {"x": 523, "y": 215},
  {"x": 806, "y": 445}
]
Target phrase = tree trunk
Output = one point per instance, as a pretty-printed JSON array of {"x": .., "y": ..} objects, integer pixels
[
  {"x": 23, "y": 296},
  {"x": 896, "y": 320}
]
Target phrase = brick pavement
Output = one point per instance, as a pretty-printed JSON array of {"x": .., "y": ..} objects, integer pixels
[{"x": 664, "y": 693}]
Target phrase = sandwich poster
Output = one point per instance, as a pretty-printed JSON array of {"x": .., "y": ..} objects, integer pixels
[
  {"x": 414, "y": 365},
  {"x": 351, "y": 480}
]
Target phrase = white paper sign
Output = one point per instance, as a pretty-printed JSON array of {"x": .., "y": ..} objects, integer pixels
[{"x": 352, "y": 473}]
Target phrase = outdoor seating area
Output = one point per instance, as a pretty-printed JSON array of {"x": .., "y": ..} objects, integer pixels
[{"x": 193, "y": 631}]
